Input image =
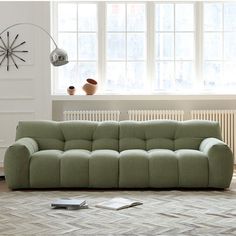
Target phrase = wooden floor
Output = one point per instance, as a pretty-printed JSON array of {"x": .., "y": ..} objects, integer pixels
[{"x": 4, "y": 188}]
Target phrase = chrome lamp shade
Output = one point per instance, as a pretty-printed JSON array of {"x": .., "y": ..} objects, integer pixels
[{"x": 58, "y": 57}]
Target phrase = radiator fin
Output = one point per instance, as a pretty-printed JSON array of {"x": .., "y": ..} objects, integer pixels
[
  {"x": 92, "y": 115},
  {"x": 142, "y": 115}
]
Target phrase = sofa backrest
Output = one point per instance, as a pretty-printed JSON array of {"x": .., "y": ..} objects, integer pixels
[
  {"x": 90, "y": 135},
  {"x": 47, "y": 134},
  {"x": 147, "y": 135},
  {"x": 119, "y": 136},
  {"x": 166, "y": 134},
  {"x": 189, "y": 134}
]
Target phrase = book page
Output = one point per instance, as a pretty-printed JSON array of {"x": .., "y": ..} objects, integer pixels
[{"x": 118, "y": 203}]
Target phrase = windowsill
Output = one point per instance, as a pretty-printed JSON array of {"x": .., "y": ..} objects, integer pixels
[{"x": 159, "y": 96}]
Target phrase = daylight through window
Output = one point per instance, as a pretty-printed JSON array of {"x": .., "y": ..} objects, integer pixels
[{"x": 146, "y": 47}]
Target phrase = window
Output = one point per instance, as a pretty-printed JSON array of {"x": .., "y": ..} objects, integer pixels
[
  {"x": 174, "y": 41},
  {"x": 146, "y": 47},
  {"x": 125, "y": 47},
  {"x": 219, "y": 45},
  {"x": 77, "y": 33}
]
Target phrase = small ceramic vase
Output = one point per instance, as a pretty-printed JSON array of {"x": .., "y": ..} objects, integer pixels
[
  {"x": 90, "y": 87},
  {"x": 71, "y": 90}
]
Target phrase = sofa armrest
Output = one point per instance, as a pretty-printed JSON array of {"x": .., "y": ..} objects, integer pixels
[
  {"x": 16, "y": 162},
  {"x": 221, "y": 162}
]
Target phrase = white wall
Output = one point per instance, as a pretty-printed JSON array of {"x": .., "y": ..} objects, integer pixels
[
  {"x": 58, "y": 106},
  {"x": 25, "y": 93}
]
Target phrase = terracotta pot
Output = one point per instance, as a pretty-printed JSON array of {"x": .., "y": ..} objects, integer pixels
[
  {"x": 71, "y": 90},
  {"x": 90, "y": 87}
]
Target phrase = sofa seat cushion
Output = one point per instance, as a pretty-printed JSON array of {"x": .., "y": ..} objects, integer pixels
[
  {"x": 45, "y": 169},
  {"x": 104, "y": 169},
  {"x": 74, "y": 166},
  {"x": 133, "y": 167},
  {"x": 163, "y": 168},
  {"x": 193, "y": 168}
]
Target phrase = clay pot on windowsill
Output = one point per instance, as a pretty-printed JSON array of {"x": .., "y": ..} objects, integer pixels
[
  {"x": 90, "y": 87},
  {"x": 71, "y": 90}
]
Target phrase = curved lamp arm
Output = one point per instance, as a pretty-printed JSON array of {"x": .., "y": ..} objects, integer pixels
[
  {"x": 58, "y": 57},
  {"x": 37, "y": 26}
]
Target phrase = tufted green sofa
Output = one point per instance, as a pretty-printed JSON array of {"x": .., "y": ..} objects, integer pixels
[{"x": 125, "y": 154}]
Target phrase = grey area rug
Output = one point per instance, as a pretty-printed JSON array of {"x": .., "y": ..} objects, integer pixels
[{"x": 162, "y": 213}]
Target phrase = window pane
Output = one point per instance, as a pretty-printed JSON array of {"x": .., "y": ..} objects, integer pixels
[
  {"x": 229, "y": 75},
  {"x": 67, "y": 75},
  {"x": 67, "y": 17},
  {"x": 184, "y": 17},
  {"x": 87, "y": 17},
  {"x": 136, "y": 17},
  {"x": 212, "y": 74},
  {"x": 164, "y": 17},
  {"x": 87, "y": 46},
  {"x": 116, "y": 17},
  {"x": 164, "y": 75},
  {"x": 230, "y": 46},
  {"x": 68, "y": 41},
  {"x": 164, "y": 46},
  {"x": 230, "y": 16},
  {"x": 115, "y": 76},
  {"x": 135, "y": 46},
  {"x": 116, "y": 46},
  {"x": 135, "y": 76},
  {"x": 184, "y": 46},
  {"x": 212, "y": 16},
  {"x": 87, "y": 70},
  {"x": 184, "y": 75},
  {"x": 212, "y": 46}
]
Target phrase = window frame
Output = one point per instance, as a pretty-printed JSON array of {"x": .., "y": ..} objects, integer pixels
[{"x": 150, "y": 44}]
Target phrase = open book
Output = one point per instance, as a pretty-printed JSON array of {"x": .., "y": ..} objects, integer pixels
[
  {"x": 70, "y": 204},
  {"x": 118, "y": 203}
]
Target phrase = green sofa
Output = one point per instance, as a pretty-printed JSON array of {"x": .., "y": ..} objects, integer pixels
[{"x": 125, "y": 154}]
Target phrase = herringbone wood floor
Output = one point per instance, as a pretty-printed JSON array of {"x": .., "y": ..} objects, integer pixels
[{"x": 162, "y": 213}]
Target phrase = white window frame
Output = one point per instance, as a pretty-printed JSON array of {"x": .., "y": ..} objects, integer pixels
[{"x": 150, "y": 41}]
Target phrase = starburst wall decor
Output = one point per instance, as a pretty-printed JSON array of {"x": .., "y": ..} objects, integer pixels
[{"x": 9, "y": 51}]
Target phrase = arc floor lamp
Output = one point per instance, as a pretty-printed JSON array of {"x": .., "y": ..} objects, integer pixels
[{"x": 58, "y": 57}]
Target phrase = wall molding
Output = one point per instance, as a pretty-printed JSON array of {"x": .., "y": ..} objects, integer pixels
[
  {"x": 17, "y": 98},
  {"x": 16, "y": 112},
  {"x": 16, "y": 79}
]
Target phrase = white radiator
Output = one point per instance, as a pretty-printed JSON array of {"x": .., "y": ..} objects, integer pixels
[
  {"x": 142, "y": 115},
  {"x": 92, "y": 115},
  {"x": 227, "y": 120}
]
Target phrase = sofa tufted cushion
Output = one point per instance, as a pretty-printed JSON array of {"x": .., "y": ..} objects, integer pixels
[
  {"x": 90, "y": 135},
  {"x": 147, "y": 135},
  {"x": 74, "y": 168},
  {"x": 132, "y": 136},
  {"x": 45, "y": 169},
  {"x": 163, "y": 169},
  {"x": 104, "y": 169},
  {"x": 134, "y": 169},
  {"x": 47, "y": 134},
  {"x": 160, "y": 134},
  {"x": 78, "y": 134},
  {"x": 190, "y": 134},
  {"x": 106, "y": 136},
  {"x": 193, "y": 168}
]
